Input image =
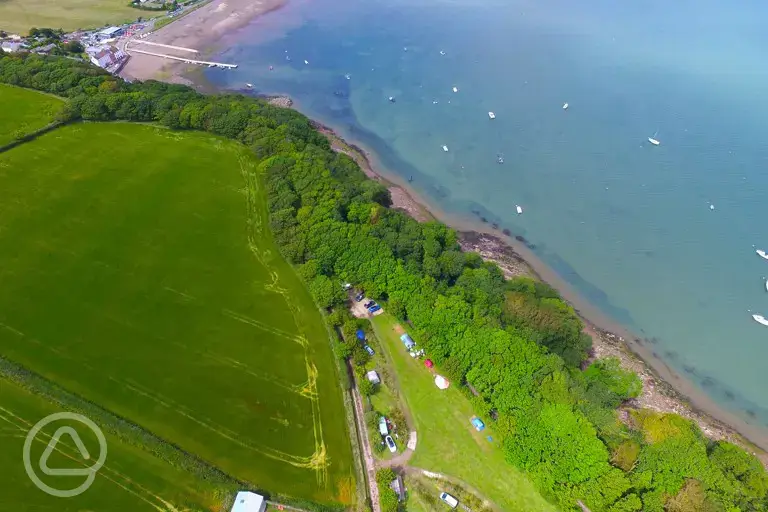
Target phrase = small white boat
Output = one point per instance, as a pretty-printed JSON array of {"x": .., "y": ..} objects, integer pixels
[
  {"x": 306, "y": 61},
  {"x": 653, "y": 140},
  {"x": 760, "y": 319},
  {"x": 711, "y": 207},
  {"x": 762, "y": 253},
  {"x": 347, "y": 76},
  {"x": 519, "y": 209},
  {"x": 491, "y": 115},
  {"x": 766, "y": 285},
  {"x": 445, "y": 148},
  {"x": 455, "y": 89},
  {"x": 434, "y": 102},
  {"x": 442, "y": 52},
  {"x": 565, "y": 106},
  {"x": 391, "y": 99},
  {"x": 250, "y": 86}
]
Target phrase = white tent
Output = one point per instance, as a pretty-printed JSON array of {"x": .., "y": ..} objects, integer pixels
[
  {"x": 442, "y": 382},
  {"x": 249, "y": 502}
]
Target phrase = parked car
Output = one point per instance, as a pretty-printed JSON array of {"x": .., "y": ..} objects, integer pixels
[
  {"x": 391, "y": 445},
  {"x": 450, "y": 500},
  {"x": 383, "y": 428},
  {"x": 360, "y": 296},
  {"x": 347, "y": 286},
  {"x": 370, "y": 303},
  {"x": 369, "y": 350},
  {"x": 374, "y": 309}
]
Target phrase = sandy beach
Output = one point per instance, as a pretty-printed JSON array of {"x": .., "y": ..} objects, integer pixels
[{"x": 200, "y": 30}]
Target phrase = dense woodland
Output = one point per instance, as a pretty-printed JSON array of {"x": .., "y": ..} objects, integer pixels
[{"x": 518, "y": 345}]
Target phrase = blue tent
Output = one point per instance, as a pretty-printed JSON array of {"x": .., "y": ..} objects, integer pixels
[
  {"x": 478, "y": 424},
  {"x": 360, "y": 335},
  {"x": 407, "y": 341}
]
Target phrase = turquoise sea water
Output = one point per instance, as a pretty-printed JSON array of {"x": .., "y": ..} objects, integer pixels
[{"x": 626, "y": 223}]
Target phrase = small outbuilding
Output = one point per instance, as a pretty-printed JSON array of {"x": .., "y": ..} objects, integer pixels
[
  {"x": 11, "y": 46},
  {"x": 429, "y": 364},
  {"x": 373, "y": 377},
  {"x": 111, "y": 32},
  {"x": 249, "y": 502},
  {"x": 360, "y": 335},
  {"x": 407, "y": 341},
  {"x": 398, "y": 486}
]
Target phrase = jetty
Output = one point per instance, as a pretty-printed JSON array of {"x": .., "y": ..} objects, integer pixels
[
  {"x": 180, "y": 48},
  {"x": 181, "y": 59}
]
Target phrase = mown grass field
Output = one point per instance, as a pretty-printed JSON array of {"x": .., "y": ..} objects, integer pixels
[
  {"x": 18, "y": 16},
  {"x": 24, "y": 111},
  {"x": 131, "y": 478},
  {"x": 447, "y": 443},
  {"x": 139, "y": 273}
]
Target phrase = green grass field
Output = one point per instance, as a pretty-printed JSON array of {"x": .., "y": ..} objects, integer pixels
[
  {"x": 447, "y": 443},
  {"x": 18, "y": 16},
  {"x": 24, "y": 111},
  {"x": 139, "y": 273},
  {"x": 131, "y": 479}
]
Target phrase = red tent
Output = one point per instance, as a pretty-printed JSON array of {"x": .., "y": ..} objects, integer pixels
[{"x": 428, "y": 363}]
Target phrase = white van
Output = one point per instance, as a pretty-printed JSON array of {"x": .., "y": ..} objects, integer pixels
[
  {"x": 450, "y": 500},
  {"x": 383, "y": 429}
]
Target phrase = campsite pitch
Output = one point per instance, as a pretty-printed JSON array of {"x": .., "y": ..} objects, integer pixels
[
  {"x": 24, "y": 111},
  {"x": 139, "y": 273},
  {"x": 448, "y": 443}
]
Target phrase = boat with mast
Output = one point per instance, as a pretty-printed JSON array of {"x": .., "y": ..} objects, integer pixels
[{"x": 653, "y": 140}]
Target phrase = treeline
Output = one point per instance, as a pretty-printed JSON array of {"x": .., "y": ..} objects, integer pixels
[{"x": 519, "y": 346}]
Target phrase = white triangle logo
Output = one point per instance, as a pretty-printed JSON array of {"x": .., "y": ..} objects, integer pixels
[{"x": 52, "y": 446}]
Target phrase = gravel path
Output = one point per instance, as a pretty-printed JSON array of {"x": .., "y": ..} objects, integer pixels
[{"x": 370, "y": 464}]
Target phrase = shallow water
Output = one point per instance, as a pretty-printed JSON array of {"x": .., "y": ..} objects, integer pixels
[{"x": 626, "y": 223}]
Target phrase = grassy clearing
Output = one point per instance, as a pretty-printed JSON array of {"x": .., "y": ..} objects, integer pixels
[
  {"x": 131, "y": 479},
  {"x": 18, "y": 16},
  {"x": 447, "y": 442},
  {"x": 24, "y": 111},
  {"x": 139, "y": 273}
]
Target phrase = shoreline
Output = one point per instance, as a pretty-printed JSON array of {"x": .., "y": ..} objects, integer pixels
[
  {"x": 201, "y": 29},
  {"x": 664, "y": 390},
  {"x": 609, "y": 339}
]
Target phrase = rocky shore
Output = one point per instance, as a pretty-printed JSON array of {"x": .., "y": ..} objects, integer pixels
[{"x": 657, "y": 395}]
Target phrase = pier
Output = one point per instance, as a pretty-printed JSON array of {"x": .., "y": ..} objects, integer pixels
[
  {"x": 180, "y": 48},
  {"x": 181, "y": 59}
]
